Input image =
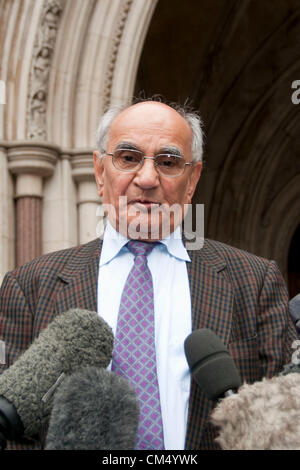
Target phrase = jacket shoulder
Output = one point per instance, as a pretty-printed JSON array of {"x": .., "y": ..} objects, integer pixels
[
  {"x": 230, "y": 253},
  {"x": 54, "y": 262},
  {"x": 238, "y": 262}
]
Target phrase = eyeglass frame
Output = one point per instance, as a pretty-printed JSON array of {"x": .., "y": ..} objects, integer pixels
[{"x": 144, "y": 157}]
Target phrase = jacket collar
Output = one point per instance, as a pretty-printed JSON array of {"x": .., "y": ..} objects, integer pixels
[{"x": 211, "y": 292}]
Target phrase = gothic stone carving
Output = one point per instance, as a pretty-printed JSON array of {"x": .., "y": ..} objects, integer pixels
[
  {"x": 114, "y": 52},
  {"x": 40, "y": 68}
]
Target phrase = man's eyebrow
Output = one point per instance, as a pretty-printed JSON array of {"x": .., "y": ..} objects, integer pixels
[
  {"x": 171, "y": 149},
  {"x": 126, "y": 145},
  {"x": 166, "y": 149}
]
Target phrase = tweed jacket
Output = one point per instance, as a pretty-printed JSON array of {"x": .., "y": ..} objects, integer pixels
[{"x": 241, "y": 297}]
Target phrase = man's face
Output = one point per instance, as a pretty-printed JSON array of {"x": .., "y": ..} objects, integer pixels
[{"x": 145, "y": 194}]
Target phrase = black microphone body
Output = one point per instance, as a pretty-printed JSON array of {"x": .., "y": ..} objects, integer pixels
[
  {"x": 73, "y": 340},
  {"x": 93, "y": 409},
  {"x": 211, "y": 365}
]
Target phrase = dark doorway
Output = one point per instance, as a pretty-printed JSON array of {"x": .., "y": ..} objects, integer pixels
[
  {"x": 294, "y": 264},
  {"x": 235, "y": 61}
]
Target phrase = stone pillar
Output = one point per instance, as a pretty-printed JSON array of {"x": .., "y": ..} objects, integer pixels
[
  {"x": 30, "y": 163},
  {"x": 28, "y": 217},
  {"x": 60, "y": 208},
  {"x": 7, "y": 231},
  {"x": 87, "y": 197}
]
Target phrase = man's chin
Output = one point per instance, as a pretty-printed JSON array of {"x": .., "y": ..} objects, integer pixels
[
  {"x": 148, "y": 230},
  {"x": 145, "y": 226},
  {"x": 145, "y": 232}
]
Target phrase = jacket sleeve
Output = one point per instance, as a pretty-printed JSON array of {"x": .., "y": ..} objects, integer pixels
[
  {"x": 15, "y": 320},
  {"x": 276, "y": 330}
]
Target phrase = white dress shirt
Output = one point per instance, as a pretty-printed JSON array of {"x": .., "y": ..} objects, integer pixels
[{"x": 172, "y": 312}]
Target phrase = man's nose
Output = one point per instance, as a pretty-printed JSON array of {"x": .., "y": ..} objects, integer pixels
[{"x": 147, "y": 176}]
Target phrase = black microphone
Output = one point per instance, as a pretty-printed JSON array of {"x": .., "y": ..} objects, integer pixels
[
  {"x": 74, "y": 339},
  {"x": 93, "y": 409},
  {"x": 211, "y": 365}
]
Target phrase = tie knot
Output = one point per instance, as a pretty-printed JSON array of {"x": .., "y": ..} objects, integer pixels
[{"x": 139, "y": 248}]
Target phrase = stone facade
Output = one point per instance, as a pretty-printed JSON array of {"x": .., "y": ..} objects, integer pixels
[{"x": 65, "y": 61}]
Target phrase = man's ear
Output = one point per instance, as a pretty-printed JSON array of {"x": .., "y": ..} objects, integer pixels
[
  {"x": 193, "y": 180},
  {"x": 99, "y": 169}
]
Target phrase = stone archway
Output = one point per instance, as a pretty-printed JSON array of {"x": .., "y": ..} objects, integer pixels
[
  {"x": 242, "y": 60},
  {"x": 63, "y": 62}
]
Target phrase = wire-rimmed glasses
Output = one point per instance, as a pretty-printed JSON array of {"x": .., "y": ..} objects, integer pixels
[{"x": 166, "y": 164}]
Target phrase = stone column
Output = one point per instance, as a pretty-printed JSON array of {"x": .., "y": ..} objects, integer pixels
[
  {"x": 30, "y": 163},
  {"x": 60, "y": 219},
  {"x": 87, "y": 197},
  {"x": 7, "y": 232}
]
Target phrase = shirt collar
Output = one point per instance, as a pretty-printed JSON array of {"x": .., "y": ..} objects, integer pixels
[{"x": 114, "y": 242}]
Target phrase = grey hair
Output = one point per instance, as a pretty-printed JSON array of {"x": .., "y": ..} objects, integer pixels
[{"x": 192, "y": 118}]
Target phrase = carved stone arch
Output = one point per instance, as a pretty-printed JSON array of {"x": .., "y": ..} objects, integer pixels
[
  {"x": 250, "y": 133},
  {"x": 247, "y": 77},
  {"x": 250, "y": 167},
  {"x": 95, "y": 62},
  {"x": 269, "y": 177},
  {"x": 63, "y": 62},
  {"x": 19, "y": 26},
  {"x": 41, "y": 66},
  {"x": 284, "y": 216}
]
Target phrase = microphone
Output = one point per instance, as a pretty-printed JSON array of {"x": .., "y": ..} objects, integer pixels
[
  {"x": 211, "y": 365},
  {"x": 74, "y": 339},
  {"x": 93, "y": 409},
  {"x": 261, "y": 416}
]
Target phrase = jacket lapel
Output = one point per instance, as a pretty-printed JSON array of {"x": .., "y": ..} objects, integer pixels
[
  {"x": 80, "y": 279},
  {"x": 212, "y": 306}
]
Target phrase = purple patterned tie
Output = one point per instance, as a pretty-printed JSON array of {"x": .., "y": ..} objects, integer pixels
[{"x": 134, "y": 348}]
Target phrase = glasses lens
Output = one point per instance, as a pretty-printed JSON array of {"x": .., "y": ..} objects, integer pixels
[
  {"x": 170, "y": 165},
  {"x": 127, "y": 160}
]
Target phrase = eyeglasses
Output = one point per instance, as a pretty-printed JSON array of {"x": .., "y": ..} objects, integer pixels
[{"x": 165, "y": 163}]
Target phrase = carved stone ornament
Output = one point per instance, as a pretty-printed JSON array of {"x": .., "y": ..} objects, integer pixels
[
  {"x": 114, "y": 52},
  {"x": 40, "y": 68}
]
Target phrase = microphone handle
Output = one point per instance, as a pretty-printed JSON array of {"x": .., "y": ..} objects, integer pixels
[
  {"x": 229, "y": 393},
  {"x": 226, "y": 394},
  {"x": 3, "y": 425},
  {"x": 11, "y": 426}
]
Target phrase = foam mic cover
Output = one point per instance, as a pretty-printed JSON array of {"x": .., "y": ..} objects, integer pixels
[
  {"x": 210, "y": 363},
  {"x": 93, "y": 409},
  {"x": 74, "y": 339},
  {"x": 264, "y": 415}
]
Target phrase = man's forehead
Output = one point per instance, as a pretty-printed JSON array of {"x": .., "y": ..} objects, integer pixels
[
  {"x": 153, "y": 115},
  {"x": 149, "y": 105}
]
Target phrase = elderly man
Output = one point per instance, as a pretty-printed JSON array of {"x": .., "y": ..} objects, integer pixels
[{"x": 150, "y": 289}]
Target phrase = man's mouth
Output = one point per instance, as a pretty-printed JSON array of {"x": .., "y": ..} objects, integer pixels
[{"x": 145, "y": 204}]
